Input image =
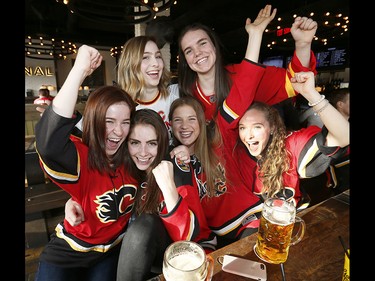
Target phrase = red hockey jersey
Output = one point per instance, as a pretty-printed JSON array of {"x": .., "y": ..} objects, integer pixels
[
  {"x": 106, "y": 199},
  {"x": 273, "y": 87}
]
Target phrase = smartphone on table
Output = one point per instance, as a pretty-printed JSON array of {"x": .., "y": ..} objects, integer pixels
[{"x": 245, "y": 267}]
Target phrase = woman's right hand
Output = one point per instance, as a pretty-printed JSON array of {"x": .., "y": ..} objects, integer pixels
[
  {"x": 74, "y": 212},
  {"x": 255, "y": 30},
  {"x": 263, "y": 19},
  {"x": 88, "y": 59}
]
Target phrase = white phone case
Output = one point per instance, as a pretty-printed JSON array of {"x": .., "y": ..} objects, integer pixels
[{"x": 245, "y": 267}]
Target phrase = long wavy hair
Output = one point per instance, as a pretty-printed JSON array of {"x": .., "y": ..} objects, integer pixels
[
  {"x": 187, "y": 77},
  {"x": 274, "y": 161},
  {"x": 129, "y": 75},
  {"x": 205, "y": 145},
  {"x": 94, "y": 127},
  {"x": 148, "y": 199}
]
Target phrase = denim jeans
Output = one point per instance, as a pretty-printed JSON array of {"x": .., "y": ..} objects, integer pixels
[
  {"x": 142, "y": 249},
  {"x": 104, "y": 270}
]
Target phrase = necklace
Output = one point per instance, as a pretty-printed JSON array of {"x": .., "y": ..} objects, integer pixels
[{"x": 206, "y": 98}]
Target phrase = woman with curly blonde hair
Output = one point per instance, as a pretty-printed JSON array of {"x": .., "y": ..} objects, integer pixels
[
  {"x": 276, "y": 158},
  {"x": 282, "y": 157}
]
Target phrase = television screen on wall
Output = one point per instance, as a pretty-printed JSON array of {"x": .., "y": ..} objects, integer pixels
[
  {"x": 275, "y": 61},
  {"x": 332, "y": 58}
]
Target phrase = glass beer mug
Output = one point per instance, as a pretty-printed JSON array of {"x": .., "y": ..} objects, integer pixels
[
  {"x": 186, "y": 260},
  {"x": 276, "y": 229}
]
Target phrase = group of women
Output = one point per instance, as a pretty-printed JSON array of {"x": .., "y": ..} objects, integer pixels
[{"x": 133, "y": 194}]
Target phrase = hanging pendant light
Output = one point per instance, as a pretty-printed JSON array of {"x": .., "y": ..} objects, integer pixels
[{"x": 47, "y": 48}]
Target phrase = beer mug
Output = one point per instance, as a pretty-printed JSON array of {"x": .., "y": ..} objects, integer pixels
[
  {"x": 276, "y": 229},
  {"x": 186, "y": 260}
]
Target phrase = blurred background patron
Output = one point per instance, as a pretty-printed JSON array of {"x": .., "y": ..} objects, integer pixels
[{"x": 44, "y": 97}]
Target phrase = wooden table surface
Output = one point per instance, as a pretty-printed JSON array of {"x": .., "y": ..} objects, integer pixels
[{"x": 318, "y": 256}]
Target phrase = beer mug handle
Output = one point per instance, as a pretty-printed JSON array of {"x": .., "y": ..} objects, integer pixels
[
  {"x": 301, "y": 231},
  {"x": 210, "y": 267}
]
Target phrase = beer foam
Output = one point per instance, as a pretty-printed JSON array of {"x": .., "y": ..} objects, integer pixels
[
  {"x": 280, "y": 217},
  {"x": 188, "y": 261},
  {"x": 185, "y": 267}
]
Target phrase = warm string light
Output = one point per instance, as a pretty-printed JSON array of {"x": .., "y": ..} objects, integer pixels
[
  {"x": 116, "y": 51},
  {"x": 332, "y": 27},
  {"x": 42, "y": 47}
]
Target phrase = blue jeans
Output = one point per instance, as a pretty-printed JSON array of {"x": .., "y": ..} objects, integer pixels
[
  {"x": 142, "y": 249},
  {"x": 104, "y": 270}
]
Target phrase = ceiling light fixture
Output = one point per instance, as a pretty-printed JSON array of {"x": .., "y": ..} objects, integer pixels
[{"x": 45, "y": 48}]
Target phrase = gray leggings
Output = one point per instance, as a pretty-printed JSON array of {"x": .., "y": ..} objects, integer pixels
[{"x": 142, "y": 249}]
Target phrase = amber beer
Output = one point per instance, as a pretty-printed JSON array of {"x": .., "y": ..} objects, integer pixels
[{"x": 276, "y": 229}]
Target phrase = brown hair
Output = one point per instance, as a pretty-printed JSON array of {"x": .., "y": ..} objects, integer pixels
[
  {"x": 205, "y": 144},
  {"x": 94, "y": 127},
  {"x": 151, "y": 194},
  {"x": 337, "y": 95},
  {"x": 187, "y": 77},
  {"x": 44, "y": 92}
]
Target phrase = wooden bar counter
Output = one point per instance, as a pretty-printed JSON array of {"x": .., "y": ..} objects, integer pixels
[{"x": 318, "y": 256}]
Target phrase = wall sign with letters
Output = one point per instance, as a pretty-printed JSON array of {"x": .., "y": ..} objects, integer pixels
[{"x": 38, "y": 71}]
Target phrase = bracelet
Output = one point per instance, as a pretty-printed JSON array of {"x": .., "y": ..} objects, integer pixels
[
  {"x": 321, "y": 109},
  {"x": 322, "y": 97}
]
